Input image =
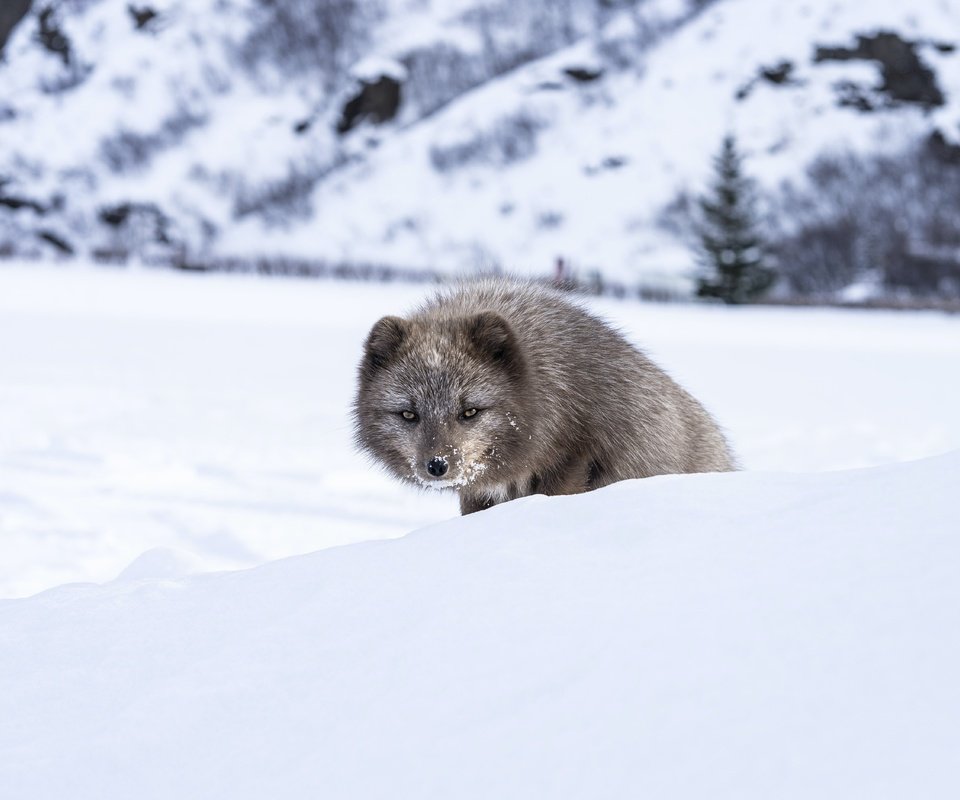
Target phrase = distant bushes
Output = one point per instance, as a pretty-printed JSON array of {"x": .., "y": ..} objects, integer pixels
[
  {"x": 509, "y": 139},
  {"x": 888, "y": 224},
  {"x": 281, "y": 201},
  {"x": 893, "y": 221},
  {"x": 439, "y": 72},
  {"x": 127, "y": 150},
  {"x": 513, "y": 32},
  {"x": 51, "y": 36},
  {"x": 323, "y": 37}
]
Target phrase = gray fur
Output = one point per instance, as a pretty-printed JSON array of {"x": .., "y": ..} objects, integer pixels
[{"x": 565, "y": 403}]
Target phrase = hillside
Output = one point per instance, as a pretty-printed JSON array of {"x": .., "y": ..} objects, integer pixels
[
  {"x": 731, "y": 636},
  {"x": 458, "y": 135}
]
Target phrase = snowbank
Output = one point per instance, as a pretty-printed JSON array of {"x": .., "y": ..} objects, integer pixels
[{"x": 742, "y": 635}]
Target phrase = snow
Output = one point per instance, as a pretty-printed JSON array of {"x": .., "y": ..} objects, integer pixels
[
  {"x": 747, "y": 635},
  {"x": 206, "y": 592},
  {"x": 372, "y": 68},
  {"x": 787, "y": 631},
  {"x": 208, "y": 415},
  {"x": 204, "y": 415}
]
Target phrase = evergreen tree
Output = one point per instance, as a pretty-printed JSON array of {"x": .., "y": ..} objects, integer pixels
[{"x": 732, "y": 248}]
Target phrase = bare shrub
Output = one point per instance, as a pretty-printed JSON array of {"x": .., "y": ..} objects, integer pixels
[
  {"x": 281, "y": 201},
  {"x": 126, "y": 150},
  {"x": 891, "y": 219},
  {"x": 438, "y": 73},
  {"x": 511, "y": 33},
  {"x": 510, "y": 139},
  {"x": 310, "y": 36}
]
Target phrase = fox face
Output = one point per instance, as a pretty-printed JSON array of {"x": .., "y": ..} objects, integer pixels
[{"x": 440, "y": 402}]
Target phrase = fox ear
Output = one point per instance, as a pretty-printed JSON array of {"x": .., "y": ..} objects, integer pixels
[
  {"x": 383, "y": 341},
  {"x": 493, "y": 338}
]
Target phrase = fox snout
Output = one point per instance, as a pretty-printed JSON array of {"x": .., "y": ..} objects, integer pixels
[{"x": 437, "y": 466}]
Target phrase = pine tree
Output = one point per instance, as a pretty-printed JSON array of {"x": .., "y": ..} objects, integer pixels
[{"x": 732, "y": 248}]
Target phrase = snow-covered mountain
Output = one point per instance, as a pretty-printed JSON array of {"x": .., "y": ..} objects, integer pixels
[{"x": 446, "y": 134}]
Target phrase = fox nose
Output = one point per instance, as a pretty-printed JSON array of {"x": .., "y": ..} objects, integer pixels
[{"x": 437, "y": 467}]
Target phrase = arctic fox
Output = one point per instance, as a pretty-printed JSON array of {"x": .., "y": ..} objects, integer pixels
[{"x": 500, "y": 389}]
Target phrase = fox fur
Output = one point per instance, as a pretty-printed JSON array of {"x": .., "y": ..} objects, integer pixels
[{"x": 500, "y": 389}]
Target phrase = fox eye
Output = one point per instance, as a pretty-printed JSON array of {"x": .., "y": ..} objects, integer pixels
[
  {"x": 408, "y": 415},
  {"x": 470, "y": 412}
]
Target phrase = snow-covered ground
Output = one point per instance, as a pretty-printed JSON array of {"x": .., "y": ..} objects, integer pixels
[
  {"x": 786, "y": 631},
  {"x": 208, "y": 415},
  {"x": 747, "y": 635}
]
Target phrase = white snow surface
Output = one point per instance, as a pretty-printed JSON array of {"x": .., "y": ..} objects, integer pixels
[
  {"x": 205, "y": 418},
  {"x": 788, "y": 631},
  {"x": 747, "y": 635}
]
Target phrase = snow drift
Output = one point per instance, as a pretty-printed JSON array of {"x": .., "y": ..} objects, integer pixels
[{"x": 742, "y": 635}]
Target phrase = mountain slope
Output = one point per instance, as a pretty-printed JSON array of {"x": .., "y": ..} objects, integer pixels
[
  {"x": 448, "y": 135},
  {"x": 605, "y": 158}
]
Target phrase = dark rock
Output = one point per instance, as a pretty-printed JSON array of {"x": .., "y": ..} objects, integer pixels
[
  {"x": 583, "y": 74},
  {"x": 115, "y": 216},
  {"x": 906, "y": 79},
  {"x": 142, "y": 16},
  {"x": 377, "y": 101},
  {"x": 778, "y": 74},
  {"x": 11, "y": 12}
]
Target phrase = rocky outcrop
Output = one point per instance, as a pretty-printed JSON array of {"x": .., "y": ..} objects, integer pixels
[
  {"x": 11, "y": 12},
  {"x": 905, "y": 78},
  {"x": 378, "y": 101}
]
